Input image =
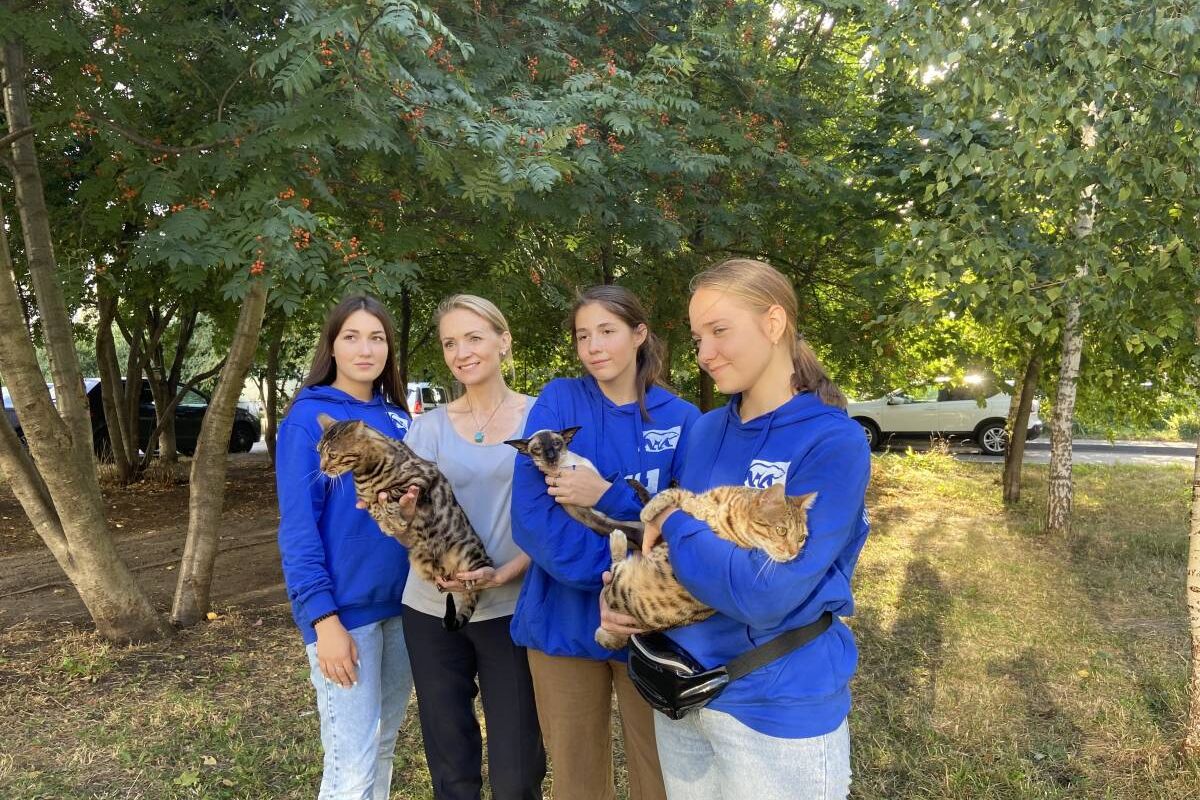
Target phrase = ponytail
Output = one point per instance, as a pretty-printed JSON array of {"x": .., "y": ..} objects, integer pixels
[
  {"x": 650, "y": 358},
  {"x": 810, "y": 376}
]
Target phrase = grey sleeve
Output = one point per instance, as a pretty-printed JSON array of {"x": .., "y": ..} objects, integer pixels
[{"x": 423, "y": 434}]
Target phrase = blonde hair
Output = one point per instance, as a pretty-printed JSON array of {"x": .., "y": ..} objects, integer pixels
[
  {"x": 761, "y": 286},
  {"x": 480, "y": 306}
]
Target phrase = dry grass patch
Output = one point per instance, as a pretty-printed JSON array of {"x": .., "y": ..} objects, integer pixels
[{"x": 995, "y": 663}]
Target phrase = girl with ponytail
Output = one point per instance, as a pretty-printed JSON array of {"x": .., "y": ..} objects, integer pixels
[
  {"x": 779, "y": 731},
  {"x": 629, "y": 427}
]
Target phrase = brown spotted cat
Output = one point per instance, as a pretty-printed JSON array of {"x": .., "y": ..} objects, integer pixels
[
  {"x": 440, "y": 539},
  {"x": 645, "y": 587}
]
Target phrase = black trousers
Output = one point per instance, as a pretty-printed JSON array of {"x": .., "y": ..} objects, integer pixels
[{"x": 445, "y": 666}]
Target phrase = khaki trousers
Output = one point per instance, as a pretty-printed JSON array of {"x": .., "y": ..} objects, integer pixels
[{"x": 574, "y": 708}]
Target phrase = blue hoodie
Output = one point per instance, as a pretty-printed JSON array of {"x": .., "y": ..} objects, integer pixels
[
  {"x": 559, "y": 607},
  {"x": 813, "y": 447},
  {"x": 335, "y": 558}
]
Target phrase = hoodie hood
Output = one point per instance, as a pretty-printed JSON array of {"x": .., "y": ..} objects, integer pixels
[
  {"x": 602, "y": 408},
  {"x": 751, "y": 436},
  {"x": 328, "y": 396}
]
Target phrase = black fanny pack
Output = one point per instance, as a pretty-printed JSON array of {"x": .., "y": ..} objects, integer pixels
[{"x": 675, "y": 683}]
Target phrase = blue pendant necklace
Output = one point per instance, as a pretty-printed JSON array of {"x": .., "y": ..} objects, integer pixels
[{"x": 479, "y": 428}]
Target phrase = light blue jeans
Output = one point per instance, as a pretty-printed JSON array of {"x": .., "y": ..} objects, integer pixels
[
  {"x": 359, "y": 725},
  {"x": 709, "y": 755}
]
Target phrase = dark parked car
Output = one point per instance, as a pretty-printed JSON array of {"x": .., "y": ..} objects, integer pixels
[{"x": 188, "y": 415}]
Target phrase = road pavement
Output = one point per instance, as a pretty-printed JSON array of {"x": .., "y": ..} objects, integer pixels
[{"x": 1085, "y": 451}]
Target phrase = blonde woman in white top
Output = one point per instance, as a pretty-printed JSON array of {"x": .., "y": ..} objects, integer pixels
[{"x": 466, "y": 440}]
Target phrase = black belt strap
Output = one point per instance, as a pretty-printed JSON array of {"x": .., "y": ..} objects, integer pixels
[{"x": 781, "y": 645}]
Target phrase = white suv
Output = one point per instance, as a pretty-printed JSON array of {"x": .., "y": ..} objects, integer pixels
[
  {"x": 424, "y": 396},
  {"x": 975, "y": 410}
]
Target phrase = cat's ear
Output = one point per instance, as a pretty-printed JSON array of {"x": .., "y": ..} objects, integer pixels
[
  {"x": 771, "y": 502},
  {"x": 325, "y": 421},
  {"x": 568, "y": 434},
  {"x": 803, "y": 502},
  {"x": 522, "y": 445}
]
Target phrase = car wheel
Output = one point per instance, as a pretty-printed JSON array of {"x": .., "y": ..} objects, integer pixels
[
  {"x": 992, "y": 437},
  {"x": 242, "y": 439},
  {"x": 874, "y": 438}
]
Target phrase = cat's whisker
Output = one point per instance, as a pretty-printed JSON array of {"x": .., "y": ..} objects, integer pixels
[{"x": 767, "y": 562}]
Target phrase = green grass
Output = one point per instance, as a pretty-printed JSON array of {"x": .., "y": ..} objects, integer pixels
[{"x": 995, "y": 663}]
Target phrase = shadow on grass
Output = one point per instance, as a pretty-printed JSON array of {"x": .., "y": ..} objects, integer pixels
[
  {"x": 1052, "y": 732},
  {"x": 896, "y": 689}
]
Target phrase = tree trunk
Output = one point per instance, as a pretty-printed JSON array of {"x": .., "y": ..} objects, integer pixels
[
  {"x": 1191, "y": 742},
  {"x": 272, "y": 394},
  {"x": 668, "y": 351},
  {"x": 1058, "y": 507},
  {"x": 606, "y": 263},
  {"x": 1018, "y": 428},
  {"x": 405, "y": 335},
  {"x": 112, "y": 391},
  {"x": 168, "y": 449},
  {"x": 706, "y": 392},
  {"x": 135, "y": 365},
  {"x": 56, "y": 482},
  {"x": 207, "y": 491},
  {"x": 1058, "y": 511},
  {"x": 161, "y": 391}
]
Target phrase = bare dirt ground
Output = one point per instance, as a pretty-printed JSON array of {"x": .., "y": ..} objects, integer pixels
[{"x": 149, "y": 521}]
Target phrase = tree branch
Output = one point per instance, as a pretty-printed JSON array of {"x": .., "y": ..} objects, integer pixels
[
  {"x": 229, "y": 88},
  {"x": 8, "y": 139},
  {"x": 362, "y": 35},
  {"x": 161, "y": 148}
]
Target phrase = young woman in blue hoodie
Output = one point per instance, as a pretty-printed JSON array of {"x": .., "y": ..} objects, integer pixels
[
  {"x": 780, "y": 731},
  {"x": 344, "y": 576},
  {"x": 629, "y": 427}
]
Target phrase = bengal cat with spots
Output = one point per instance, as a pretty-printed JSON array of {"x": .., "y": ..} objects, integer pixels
[
  {"x": 440, "y": 540},
  {"x": 645, "y": 587}
]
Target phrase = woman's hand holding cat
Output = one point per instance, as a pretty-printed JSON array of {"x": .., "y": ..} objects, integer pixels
[
  {"x": 484, "y": 577},
  {"x": 652, "y": 534},
  {"x": 615, "y": 622},
  {"x": 577, "y": 487},
  {"x": 337, "y": 655},
  {"x": 407, "y": 503},
  {"x": 488, "y": 577}
]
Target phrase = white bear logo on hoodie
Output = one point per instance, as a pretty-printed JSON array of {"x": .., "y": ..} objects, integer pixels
[
  {"x": 764, "y": 474},
  {"x": 658, "y": 441}
]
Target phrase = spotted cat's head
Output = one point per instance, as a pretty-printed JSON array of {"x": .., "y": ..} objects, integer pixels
[
  {"x": 546, "y": 447},
  {"x": 775, "y": 523},
  {"x": 343, "y": 443}
]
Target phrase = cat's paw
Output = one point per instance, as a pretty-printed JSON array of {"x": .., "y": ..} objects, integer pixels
[
  {"x": 659, "y": 503},
  {"x": 618, "y": 546}
]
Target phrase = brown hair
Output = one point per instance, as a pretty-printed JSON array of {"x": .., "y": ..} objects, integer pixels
[
  {"x": 324, "y": 370},
  {"x": 761, "y": 286},
  {"x": 629, "y": 309}
]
